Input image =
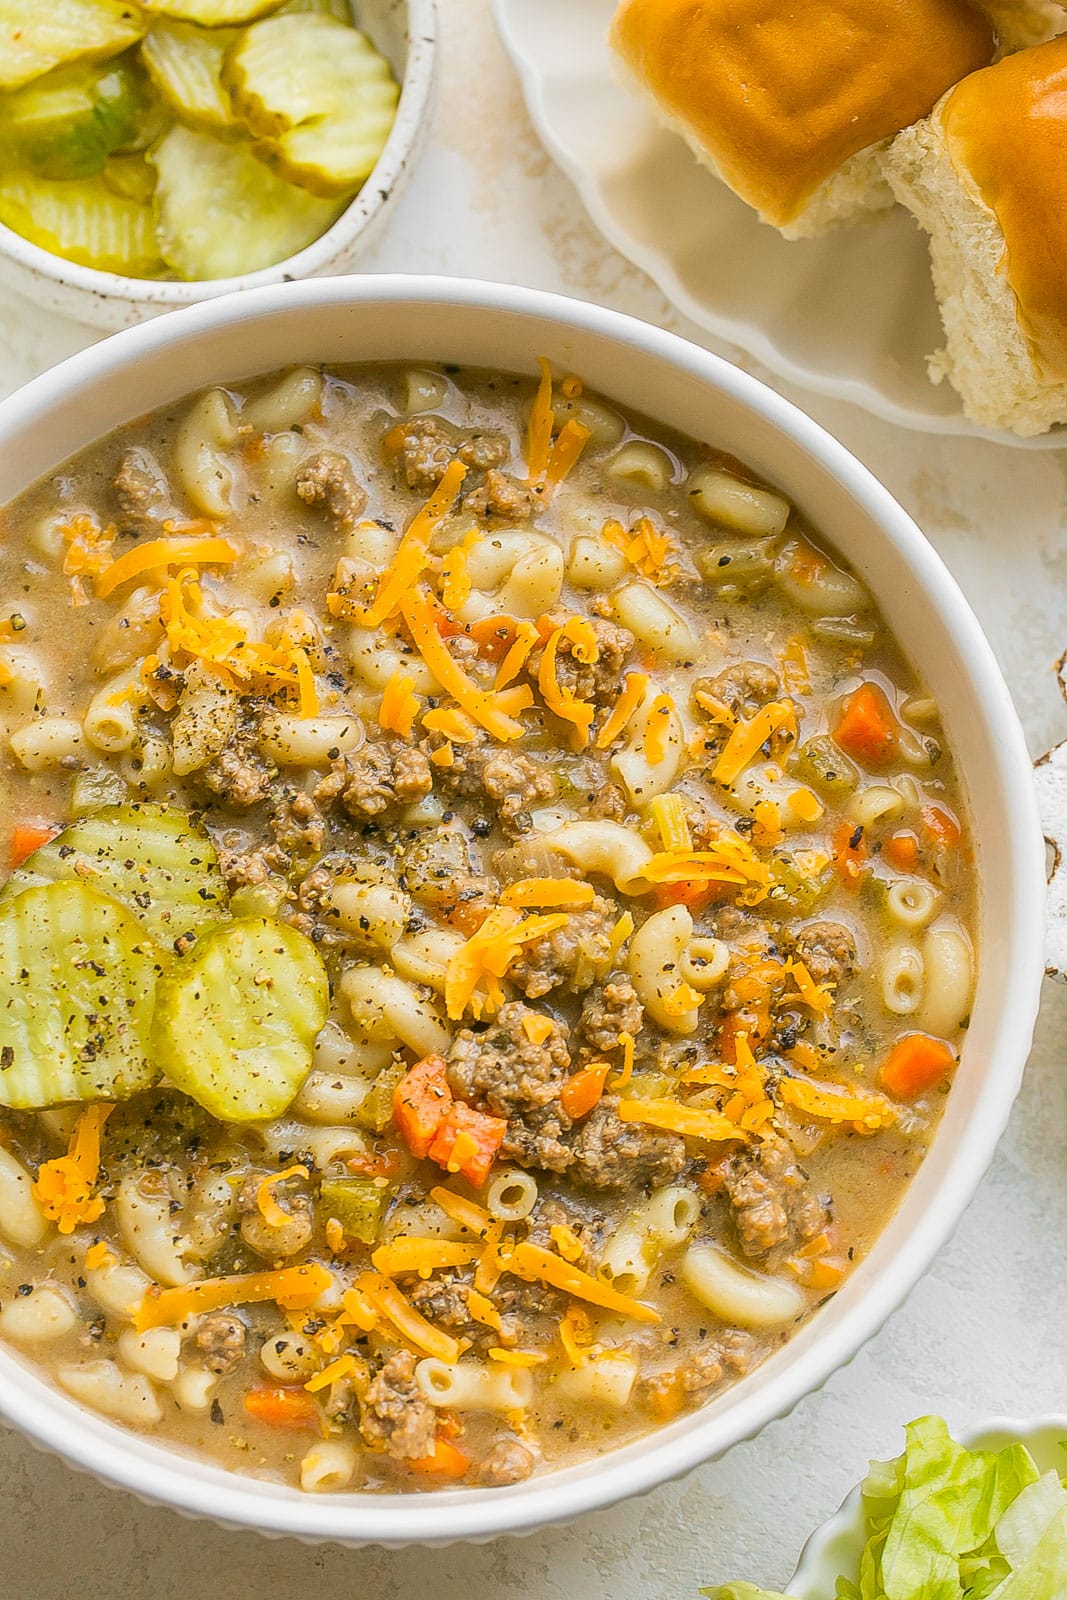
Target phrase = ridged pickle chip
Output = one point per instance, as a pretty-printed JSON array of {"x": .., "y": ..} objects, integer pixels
[
  {"x": 319, "y": 96},
  {"x": 211, "y": 13},
  {"x": 77, "y": 988},
  {"x": 153, "y": 859},
  {"x": 37, "y": 35},
  {"x": 67, "y": 123},
  {"x": 221, "y": 213},
  {"x": 185, "y": 64},
  {"x": 235, "y": 1022},
  {"x": 83, "y": 221},
  {"x": 317, "y": 8}
]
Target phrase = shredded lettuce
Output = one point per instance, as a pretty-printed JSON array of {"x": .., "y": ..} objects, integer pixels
[{"x": 946, "y": 1523}]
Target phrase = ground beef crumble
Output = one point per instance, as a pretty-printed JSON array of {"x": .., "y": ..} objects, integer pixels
[
  {"x": 393, "y": 1414},
  {"x": 382, "y": 773},
  {"x": 775, "y": 1207},
  {"x": 328, "y": 479}
]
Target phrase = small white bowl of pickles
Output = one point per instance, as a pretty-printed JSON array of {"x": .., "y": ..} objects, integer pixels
[{"x": 158, "y": 152}]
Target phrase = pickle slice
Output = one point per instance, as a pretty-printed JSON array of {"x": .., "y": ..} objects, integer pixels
[
  {"x": 131, "y": 177},
  {"x": 211, "y": 13},
  {"x": 185, "y": 64},
  {"x": 77, "y": 984},
  {"x": 82, "y": 221},
  {"x": 37, "y": 35},
  {"x": 222, "y": 214},
  {"x": 67, "y": 123},
  {"x": 319, "y": 96},
  {"x": 235, "y": 1022},
  {"x": 154, "y": 859},
  {"x": 317, "y": 8}
]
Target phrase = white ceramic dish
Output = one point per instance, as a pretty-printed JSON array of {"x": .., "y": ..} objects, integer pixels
[
  {"x": 405, "y": 31},
  {"x": 834, "y": 1549},
  {"x": 645, "y": 369},
  {"x": 851, "y": 315}
]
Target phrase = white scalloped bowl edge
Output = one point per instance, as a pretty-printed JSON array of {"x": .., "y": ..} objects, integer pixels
[
  {"x": 406, "y": 33},
  {"x": 834, "y": 1549},
  {"x": 647, "y": 370}
]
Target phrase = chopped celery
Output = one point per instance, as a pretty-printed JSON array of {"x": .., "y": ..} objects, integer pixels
[
  {"x": 357, "y": 1203},
  {"x": 821, "y": 763},
  {"x": 96, "y": 787},
  {"x": 77, "y": 980},
  {"x": 154, "y": 859},
  {"x": 236, "y": 1020},
  {"x": 66, "y": 124},
  {"x": 375, "y": 1110}
]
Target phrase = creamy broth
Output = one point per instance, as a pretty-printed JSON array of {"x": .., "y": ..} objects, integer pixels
[{"x": 534, "y": 906}]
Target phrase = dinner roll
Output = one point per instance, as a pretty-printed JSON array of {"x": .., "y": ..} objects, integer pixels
[
  {"x": 986, "y": 176},
  {"x": 792, "y": 104}
]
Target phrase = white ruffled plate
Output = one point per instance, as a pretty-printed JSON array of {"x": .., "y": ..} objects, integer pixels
[
  {"x": 834, "y": 1550},
  {"x": 851, "y": 315}
]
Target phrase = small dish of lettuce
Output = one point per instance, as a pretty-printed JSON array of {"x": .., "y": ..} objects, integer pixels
[{"x": 985, "y": 1520}]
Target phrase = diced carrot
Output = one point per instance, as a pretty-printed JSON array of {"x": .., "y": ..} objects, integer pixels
[
  {"x": 826, "y": 1273},
  {"x": 420, "y": 1101},
  {"x": 467, "y": 1141},
  {"x": 850, "y": 853},
  {"x": 916, "y": 1063},
  {"x": 901, "y": 850},
  {"x": 282, "y": 1406},
  {"x": 581, "y": 1092},
  {"x": 867, "y": 727},
  {"x": 446, "y": 1460},
  {"x": 26, "y": 837},
  {"x": 941, "y": 825},
  {"x": 695, "y": 894}
]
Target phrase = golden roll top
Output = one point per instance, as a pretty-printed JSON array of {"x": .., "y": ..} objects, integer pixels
[
  {"x": 1006, "y": 134},
  {"x": 777, "y": 94}
]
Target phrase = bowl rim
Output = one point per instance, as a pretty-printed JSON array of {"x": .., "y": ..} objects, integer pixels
[
  {"x": 57, "y": 1423},
  {"x": 412, "y": 110},
  {"x": 812, "y": 1575}
]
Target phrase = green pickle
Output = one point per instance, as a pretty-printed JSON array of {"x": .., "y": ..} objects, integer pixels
[
  {"x": 37, "y": 35},
  {"x": 77, "y": 980},
  {"x": 65, "y": 125},
  {"x": 235, "y": 1022},
  {"x": 375, "y": 1110},
  {"x": 826, "y": 767},
  {"x": 359, "y": 1204},
  {"x": 154, "y": 859}
]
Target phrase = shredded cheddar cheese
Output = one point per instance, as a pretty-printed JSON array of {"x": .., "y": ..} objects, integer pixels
[
  {"x": 805, "y": 805},
  {"x": 487, "y": 1272},
  {"x": 455, "y": 579},
  {"x": 418, "y": 613},
  {"x": 414, "y": 549},
  {"x": 527, "y": 636},
  {"x": 453, "y": 723},
  {"x": 548, "y": 892},
  {"x": 406, "y": 1253},
  {"x": 465, "y": 1212},
  {"x": 540, "y": 426},
  {"x": 564, "y": 453},
  {"x": 98, "y": 1255},
  {"x": 748, "y": 738},
  {"x": 484, "y": 1311},
  {"x": 536, "y": 1027},
  {"x": 657, "y": 726},
  {"x": 331, "y": 1374},
  {"x": 647, "y": 549},
  {"x": 533, "y": 1262},
  {"x": 837, "y": 1103},
  {"x": 576, "y": 1335},
  {"x": 629, "y": 1049},
  {"x": 561, "y": 701},
  {"x": 274, "y": 1215},
  {"x": 388, "y": 1301},
  {"x": 669, "y": 813},
  {"x": 223, "y": 646},
  {"x": 64, "y": 1186},
  {"x": 293, "y": 1288},
  {"x": 400, "y": 704},
  {"x": 675, "y": 1118},
  {"x": 566, "y": 1241},
  {"x": 622, "y": 712},
  {"x": 488, "y": 954},
  {"x": 516, "y": 1358},
  {"x": 155, "y": 554},
  {"x": 813, "y": 994},
  {"x": 621, "y": 932}
]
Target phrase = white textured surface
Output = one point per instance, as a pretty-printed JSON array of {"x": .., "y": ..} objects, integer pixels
[{"x": 982, "y": 1334}]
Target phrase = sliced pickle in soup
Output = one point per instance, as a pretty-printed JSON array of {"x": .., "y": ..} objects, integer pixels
[
  {"x": 77, "y": 983},
  {"x": 37, "y": 35},
  {"x": 319, "y": 95},
  {"x": 83, "y": 221},
  {"x": 154, "y": 859},
  {"x": 317, "y": 8},
  {"x": 185, "y": 64},
  {"x": 222, "y": 213},
  {"x": 66, "y": 124},
  {"x": 236, "y": 1021}
]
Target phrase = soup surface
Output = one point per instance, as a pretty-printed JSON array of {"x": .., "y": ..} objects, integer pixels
[{"x": 488, "y": 930}]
